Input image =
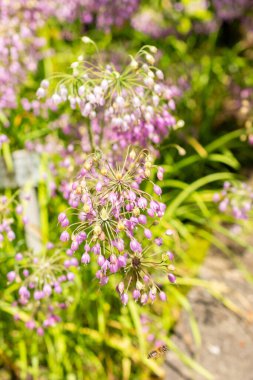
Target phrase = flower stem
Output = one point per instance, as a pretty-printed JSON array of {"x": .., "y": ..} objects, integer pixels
[{"x": 91, "y": 139}]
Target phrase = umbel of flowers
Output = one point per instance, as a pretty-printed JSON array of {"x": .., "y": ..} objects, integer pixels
[
  {"x": 104, "y": 13},
  {"x": 21, "y": 46},
  {"x": 41, "y": 278},
  {"x": 10, "y": 206},
  {"x": 133, "y": 106},
  {"x": 112, "y": 217}
]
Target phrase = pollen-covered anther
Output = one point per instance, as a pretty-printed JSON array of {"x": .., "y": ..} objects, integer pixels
[
  {"x": 79, "y": 190},
  {"x": 147, "y": 172},
  {"x": 104, "y": 215},
  {"x": 136, "y": 211},
  {"x": 121, "y": 226},
  {"x": 86, "y": 208},
  {"x": 118, "y": 176},
  {"x": 132, "y": 154},
  {"x": 97, "y": 230},
  {"x": 103, "y": 171},
  {"x": 88, "y": 165},
  {"x": 148, "y": 164}
]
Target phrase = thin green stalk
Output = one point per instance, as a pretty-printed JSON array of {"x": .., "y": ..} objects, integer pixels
[
  {"x": 91, "y": 139},
  {"x": 7, "y": 157}
]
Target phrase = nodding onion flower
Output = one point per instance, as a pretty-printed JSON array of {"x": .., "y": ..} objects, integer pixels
[
  {"x": 110, "y": 203},
  {"x": 8, "y": 207},
  {"x": 41, "y": 277},
  {"x": 113, "y": 211},
  {"x": 142, "y": 272},
  {"x": 131, "y": 106}
]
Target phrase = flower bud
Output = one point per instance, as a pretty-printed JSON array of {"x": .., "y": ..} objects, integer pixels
[
  {"x": 64, "y": 236},
  {"x": 150, "y": 59},
  {"x": 148, "y": 233},
  {"x": 171, "y": 278},
  {"x": 11, "y": 276},
  {"x": 162, "y": 296},
  {"x": 136, "y": 294},
  {"x": 120, "y": 287},
  {"x": 85, "y": 259},
  {"x": 124, "y": 299}
]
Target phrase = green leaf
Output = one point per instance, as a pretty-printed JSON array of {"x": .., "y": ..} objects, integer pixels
[{"x": 193, "y": 187}]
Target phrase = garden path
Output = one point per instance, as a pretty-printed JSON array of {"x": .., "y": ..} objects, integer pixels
[{"x": 227, "y": 339}]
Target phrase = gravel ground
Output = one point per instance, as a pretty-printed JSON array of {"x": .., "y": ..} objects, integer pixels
[{"x": 227, "y": 338}]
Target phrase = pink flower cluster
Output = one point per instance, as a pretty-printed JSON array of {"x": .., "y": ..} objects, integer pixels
[
  {"x": 113, "y": 214},
  {"x": 235, "y": 199},
  {"x": 232, "y": 9},
  {"x": 130, "y": 107},
  {"x": 41, "y": 278},
  {"x": 9, "y": 207},
  {"x": 20, "y": 47},
  {"x": 152, "y": 23},
  {"x": 104, "y": 13}
]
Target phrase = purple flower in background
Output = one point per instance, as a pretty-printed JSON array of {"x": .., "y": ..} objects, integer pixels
[
  {"x": 41, "y": 281},
  {"x": 235, "y": 199}
]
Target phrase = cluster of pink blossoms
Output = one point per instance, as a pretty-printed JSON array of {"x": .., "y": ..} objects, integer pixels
[
  {"x": 111, "y": 215},
  {"x": 9, "y": 207},
  {"x": 104, "y": 13},
  {"x": 114, "y": 216},
  {"x": 235, "y": 198},
  {"x": 232, "y": 9},
  {"x": 242, "y": 108},
  {"x": 21, "y": 46},
  {"x": 129, "y": 107},
  {"x": 41, "y": 278},
  {"x": 5, "y": 221},
  {"x": 152, "y": 23}
]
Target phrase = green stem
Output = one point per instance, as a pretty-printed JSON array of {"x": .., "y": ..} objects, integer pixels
[
  {"x": 91, "y": 139},
  {"x": 43, "y": 201},
  {"x": 7, "y": 157}
]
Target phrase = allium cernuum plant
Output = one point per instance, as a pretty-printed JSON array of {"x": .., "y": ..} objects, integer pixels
[
  {"x": 132, "y": 106},
  {"x": 41, "y": 277},
  {"x": 110, "y": 219},
  {"x": 236, "y": 199},
  {"x": 112, "y": 223}
]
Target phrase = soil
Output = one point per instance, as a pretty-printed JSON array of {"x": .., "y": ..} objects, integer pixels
[{"x": 226, "y": 349}]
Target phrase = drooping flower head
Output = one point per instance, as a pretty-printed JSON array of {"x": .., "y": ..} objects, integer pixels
[
  {"x": 240, "y": 106},
  {"x": 109, "y": 201},
  {"x": 8, "y": 207},
  {"x": 41, "y": 278},
  {"x": 235, "y": 199},
  {"x": 104, "y": 13},
  {"x": 230, "y": 10},
  {"x": 20, "y": 46},
  {"x": 132, "y": 106},
  {"x": 14, "y": 211},
  {"x": 115, "y": 216},
  {"x": 151, "y": 22},
  {"x": 143, "y": 272}
]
